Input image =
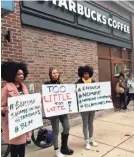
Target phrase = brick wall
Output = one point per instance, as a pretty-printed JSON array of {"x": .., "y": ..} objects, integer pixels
[
  {"x": 43, "y": 49},
  {"x": 12, "y": 50}
]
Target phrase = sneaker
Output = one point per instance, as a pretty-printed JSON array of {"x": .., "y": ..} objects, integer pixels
[
  {"x": 88, "y": 147},
  {"x": 42, "y": 143},
  {"x": 58, "y": 153},
  {"x": 93, "y": 143}
]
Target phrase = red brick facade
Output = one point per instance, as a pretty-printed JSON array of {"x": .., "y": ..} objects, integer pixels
[
  {"x": 44, "y": 49},
  {"x": 12, "y": 50}
]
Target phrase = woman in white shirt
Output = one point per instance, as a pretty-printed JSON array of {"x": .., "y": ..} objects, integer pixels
[{"x": 130, "y": 85}]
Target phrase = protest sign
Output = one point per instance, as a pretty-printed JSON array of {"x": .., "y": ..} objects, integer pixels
[
  {"x": 25, "y": 114},
  {"x": 94, "y": 96},
  {"x": 59, "y": 99}
]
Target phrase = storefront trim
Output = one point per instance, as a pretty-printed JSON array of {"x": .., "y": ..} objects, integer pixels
[{"x": 74, "y": 25}]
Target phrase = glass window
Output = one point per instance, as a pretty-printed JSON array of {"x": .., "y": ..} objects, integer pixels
[{"x": 117, "y": 69}]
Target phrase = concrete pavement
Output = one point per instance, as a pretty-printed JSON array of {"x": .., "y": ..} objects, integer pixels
[{"x": 109, "y": 132}]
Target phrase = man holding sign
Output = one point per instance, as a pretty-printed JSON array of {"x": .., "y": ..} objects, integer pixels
[{"x": 57, "y": 103}]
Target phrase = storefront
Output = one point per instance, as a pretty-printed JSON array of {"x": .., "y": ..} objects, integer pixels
[
  {"x": 67, "y": 34},
  {"x": 108, "y": 34}
]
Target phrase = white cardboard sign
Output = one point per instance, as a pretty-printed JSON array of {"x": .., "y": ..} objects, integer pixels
[
  {"x": 59, "y": 99},
  {"x": 94, "y": 96},
  {"x": 25, "y": 114}
]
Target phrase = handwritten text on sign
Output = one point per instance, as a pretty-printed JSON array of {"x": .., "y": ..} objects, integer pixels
[
  {"x": 59, "y": 99},
  {"x": 94, "y": 96},
  {"x": 25, "y": 114}
]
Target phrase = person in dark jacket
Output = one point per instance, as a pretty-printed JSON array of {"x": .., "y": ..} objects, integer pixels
[
  {"x": 85, "y": 73},
  {"x": 121, "y": 89},
  {"x": 55, "y": 79}
]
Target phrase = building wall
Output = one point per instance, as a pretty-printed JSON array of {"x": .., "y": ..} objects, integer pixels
[
  {"x": 115, "y": 8},
  {"x": 12, "y": 50},
  {"x": 43, "y": 49},
  {"x": 119, "y": 10}
]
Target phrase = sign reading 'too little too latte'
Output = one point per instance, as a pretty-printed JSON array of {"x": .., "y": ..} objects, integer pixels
[{"x": 82, "y": 10}]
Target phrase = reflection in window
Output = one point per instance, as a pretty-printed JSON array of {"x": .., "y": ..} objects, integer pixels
[{"x": 117, "y": 69}]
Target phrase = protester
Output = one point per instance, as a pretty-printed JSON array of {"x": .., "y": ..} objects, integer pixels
[
  {"x": 130, "y": 85},
  {"x": 121, "y": 89},
  {"x": 85, "y": 73},
  {"x": 55, "y": 79},
  {"x": 14, "y": 74}
]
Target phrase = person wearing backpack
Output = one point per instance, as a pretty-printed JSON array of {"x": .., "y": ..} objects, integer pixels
[{"x": 85, "y": 73}]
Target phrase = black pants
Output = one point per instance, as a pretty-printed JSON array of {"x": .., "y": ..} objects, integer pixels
[
  {"x": 123, "y": 101},
  {"x": 130, "y": 97},
  {"x": 17, "y": 150}
]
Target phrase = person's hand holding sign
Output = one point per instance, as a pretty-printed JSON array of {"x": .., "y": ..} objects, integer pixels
[
  {"x": 4, "y": 110},
  {"x": 110, "y": 97}
]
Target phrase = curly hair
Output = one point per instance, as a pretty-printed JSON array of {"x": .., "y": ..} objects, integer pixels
[
  {"x": 9, "y": 70},
  {"x": 85, "y": 69}
]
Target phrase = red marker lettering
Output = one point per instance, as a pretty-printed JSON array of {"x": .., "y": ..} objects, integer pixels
[
  {"x": 59, "y": 97},
  {"x": 48, "y": 110},
  {"x": 55, "y": 108},
  {"x": 62, "y": 108},
  {"x": 64, "y": 97},
  {"x": 50, "y": 96},
  {"x": 55, "y": 95},
  {"x": 58, "y": 108},
  {"x": 68, "y": 96},
  {"x": 44, "y": 98}
]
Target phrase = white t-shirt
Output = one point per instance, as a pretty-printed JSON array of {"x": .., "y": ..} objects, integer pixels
[{"x": 130, "y": 85}]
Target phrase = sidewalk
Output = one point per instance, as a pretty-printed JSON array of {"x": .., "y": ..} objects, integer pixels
[{"x": 109, "y": 132}]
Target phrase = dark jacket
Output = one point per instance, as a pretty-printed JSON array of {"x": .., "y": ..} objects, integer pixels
[
  {"x": 53, "y": 82},
  {"x": 81, "y": 81}
]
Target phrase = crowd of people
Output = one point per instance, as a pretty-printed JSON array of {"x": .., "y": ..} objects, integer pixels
[{"x": 15, "y": 73}]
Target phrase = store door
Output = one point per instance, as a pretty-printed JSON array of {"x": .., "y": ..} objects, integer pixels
[{"x": 116, "y": 69}]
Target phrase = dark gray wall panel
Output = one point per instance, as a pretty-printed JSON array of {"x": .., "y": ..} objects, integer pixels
[
  {"x": 53, "y": 18},
  {"x": 93, "y": 24},
  {"x": 48, "y": 8}
]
